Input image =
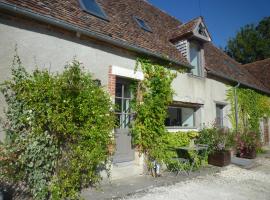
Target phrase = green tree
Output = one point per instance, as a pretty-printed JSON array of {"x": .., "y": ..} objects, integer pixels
[{"x": 251, "y": 43}]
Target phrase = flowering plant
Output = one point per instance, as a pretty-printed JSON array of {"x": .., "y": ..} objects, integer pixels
[
  {"x": 217, "y": 139},
  {"x": 246, "y": 141}
]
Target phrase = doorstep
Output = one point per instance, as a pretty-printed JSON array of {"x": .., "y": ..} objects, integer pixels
[{"x": 125, "y": 170}]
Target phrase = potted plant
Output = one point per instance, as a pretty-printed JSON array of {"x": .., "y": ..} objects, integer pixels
[
  {"x": 219, "y": 142},
  {"x": 246, "y": 144}
]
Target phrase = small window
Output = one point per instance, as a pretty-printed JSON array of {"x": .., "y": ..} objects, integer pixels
[
  {"x": 181, "y": 117},
  {"x": 202, "y": 30},
  {"x": 219, "y": 115},
  {"x": 195, "y": 59},
  {"x": 93, "y": 8},
  {"x": 143, "y": 24}
]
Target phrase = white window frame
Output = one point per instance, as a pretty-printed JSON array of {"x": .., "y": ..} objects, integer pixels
[
  {"x": 195, "y": 109},
  {"x": 222, "y": 106}
]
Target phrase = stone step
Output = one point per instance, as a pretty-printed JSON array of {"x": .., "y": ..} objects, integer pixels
[
  {"x": 126, "y": 169},
  {"x": 242, "y": 162}
]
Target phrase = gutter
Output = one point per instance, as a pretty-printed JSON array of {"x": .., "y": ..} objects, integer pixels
[
  {"x": 90, "y": 33},
  {"x": 236, "y": 105},
  {"x": 236, "y": 81}
]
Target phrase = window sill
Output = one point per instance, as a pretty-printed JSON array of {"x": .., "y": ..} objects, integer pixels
[
  {"x": 196, "y": 76},
  {"x": 173, "y": 128}
]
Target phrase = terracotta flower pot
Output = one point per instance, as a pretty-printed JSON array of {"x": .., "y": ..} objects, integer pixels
[{"x": 220, "y": 158}]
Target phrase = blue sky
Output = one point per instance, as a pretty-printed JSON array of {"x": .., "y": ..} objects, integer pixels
[{"x": 223, "y": 17}]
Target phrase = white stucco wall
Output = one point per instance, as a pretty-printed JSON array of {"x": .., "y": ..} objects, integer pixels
[
  {"x": 49, "y": 50},
  {"x": 203, "y": 91}
]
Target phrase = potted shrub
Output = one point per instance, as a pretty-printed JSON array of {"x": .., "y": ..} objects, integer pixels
[
  {"x": 246, "y": 144},
  {"x": 219, "y": 142}
]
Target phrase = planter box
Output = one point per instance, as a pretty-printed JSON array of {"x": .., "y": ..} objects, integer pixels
[
  {"x": 249, "y": 153},
  {"x": 220, "y": 158}
]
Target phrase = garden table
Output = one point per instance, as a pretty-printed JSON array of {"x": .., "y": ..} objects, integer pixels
[{"x": 185, "y": 157}]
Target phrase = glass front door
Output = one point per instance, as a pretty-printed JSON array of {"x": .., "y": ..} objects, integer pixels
[{"x": 123, "y": 96}]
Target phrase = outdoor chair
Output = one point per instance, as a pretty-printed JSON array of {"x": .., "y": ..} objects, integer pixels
[
  {"x": 180, "y": 167},
  {"x": 181, "y": 162}
]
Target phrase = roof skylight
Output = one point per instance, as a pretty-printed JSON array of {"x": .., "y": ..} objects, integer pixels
[
  {"x": 143, "y": 24},
  {"x": 92, "y": 7}
]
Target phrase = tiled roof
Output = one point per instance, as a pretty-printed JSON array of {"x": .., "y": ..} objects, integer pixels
[
  {"x": 121, "y": 25},
  {"x": 220, "y": 64},
  {"x": 183, "y": 29},
  {"x": 260, "y": 70}
]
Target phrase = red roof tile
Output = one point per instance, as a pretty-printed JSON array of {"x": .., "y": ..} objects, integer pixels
[
  {"x": 260, "y": 70},
  {"x": 220, "y": 64},
  {"x": 183, "y": 29},
  {"x": 121, "y": 25}
]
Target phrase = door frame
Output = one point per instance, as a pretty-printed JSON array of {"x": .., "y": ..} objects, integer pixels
[{"x": 124, "y": 116}]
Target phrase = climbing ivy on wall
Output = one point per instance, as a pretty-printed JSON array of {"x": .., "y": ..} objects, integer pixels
[
  {"x": 153, "y": 95},
  {"x": 58, "y": 127},
  {"x": 252, "y": 106}
]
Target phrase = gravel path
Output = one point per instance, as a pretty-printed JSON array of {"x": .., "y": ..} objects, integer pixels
[{"x": 232, "y": 183}]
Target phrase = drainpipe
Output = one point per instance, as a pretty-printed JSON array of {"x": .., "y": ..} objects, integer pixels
[{"x": 236, "y": 105}]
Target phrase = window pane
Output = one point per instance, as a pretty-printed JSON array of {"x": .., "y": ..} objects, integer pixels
[
  {"x": 127, "y": 92},
  {"x": 123, "y": 120},
  {"x": 92, "y": 7},
  {"x": 202, "y": 30},
  {"x": 195, "y": 59},
  {"x": 182, "y": 117},
  {"x": 188, "y": 117},
  {"x": 118, "y": 120},
  {"x": 126, "y": 106},
  {"x": 126, "y": 121},
  {"x": 118, "y": 90},
  {"x": 143, "y": 24},
  {"x": 174, "y": 117},
  {"x": 118, "y": 105},
  {"x": 219, "y": 115}
]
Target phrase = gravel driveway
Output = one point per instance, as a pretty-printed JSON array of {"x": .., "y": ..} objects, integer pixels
[{"x": 232, "y": 183}]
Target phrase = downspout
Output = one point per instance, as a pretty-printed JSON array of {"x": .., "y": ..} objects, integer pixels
[{"x": 236, "y": 105}]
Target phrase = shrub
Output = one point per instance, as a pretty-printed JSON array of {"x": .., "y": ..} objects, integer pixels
[
  {"x": 217, "y": 139},
  {"x": 180, "y": 139},
  {"x": 58, "y": 127},
  {"x": 246, "y": 141}
]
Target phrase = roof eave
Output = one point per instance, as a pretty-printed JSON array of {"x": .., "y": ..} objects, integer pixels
[
  {"x": 90, "y": 33},
  {"x": 236, "y": 81}
]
